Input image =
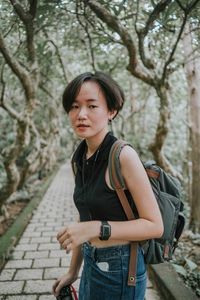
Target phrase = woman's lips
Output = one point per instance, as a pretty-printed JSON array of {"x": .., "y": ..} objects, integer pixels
[{"x": 82, "y": 127}]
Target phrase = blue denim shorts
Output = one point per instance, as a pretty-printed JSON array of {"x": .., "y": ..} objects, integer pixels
[{"x": 105, "y": 274}]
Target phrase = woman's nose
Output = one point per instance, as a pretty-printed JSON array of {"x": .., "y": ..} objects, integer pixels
[{"x": 82, "y": 113}]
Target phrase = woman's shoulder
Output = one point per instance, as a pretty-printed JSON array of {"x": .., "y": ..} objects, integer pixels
[
  {"x": 123, "y": 148},
  {"x": 129, "y": 155},
  {"x": 128, "y": 150}
]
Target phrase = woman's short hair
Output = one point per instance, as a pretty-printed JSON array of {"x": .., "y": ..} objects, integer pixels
[{"x": 113, "y": 93}]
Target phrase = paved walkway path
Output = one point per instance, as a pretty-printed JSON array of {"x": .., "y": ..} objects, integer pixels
[{"x": 37, "y": 259}]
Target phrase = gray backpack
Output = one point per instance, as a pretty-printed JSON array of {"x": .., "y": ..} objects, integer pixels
[{"x": 167, "y": 191}]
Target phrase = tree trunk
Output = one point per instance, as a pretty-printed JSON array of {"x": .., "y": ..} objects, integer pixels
[
  {"x": 29, "y": 78},
  {"x": 192, "y": 68},
  {"x": 10, "y": 156},
  {"x": 162, "y": 128},
  {"x": 50, "y": 153},
  {"x": 12, "y": 182}
]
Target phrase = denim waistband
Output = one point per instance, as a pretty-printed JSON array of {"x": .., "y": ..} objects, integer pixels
[{"x": 107, "y": 252}]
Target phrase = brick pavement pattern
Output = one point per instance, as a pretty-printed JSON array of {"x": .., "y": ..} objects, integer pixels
[{"x": 37, "y": 260}]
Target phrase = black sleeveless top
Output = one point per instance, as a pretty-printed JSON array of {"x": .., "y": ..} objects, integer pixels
[{"x": 92, "y": 196}]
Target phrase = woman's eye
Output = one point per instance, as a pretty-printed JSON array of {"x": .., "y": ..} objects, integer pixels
[
  {"x": 74, "y": 106},
  {"x": 92, "y": 106}
]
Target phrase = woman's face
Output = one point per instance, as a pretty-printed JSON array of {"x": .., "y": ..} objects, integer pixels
[{"x": 89, "y": 113}]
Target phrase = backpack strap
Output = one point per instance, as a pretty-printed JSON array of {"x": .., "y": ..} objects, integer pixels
[
  {"x": 117, "y": 148},
  {"x": 117, "y": 182}
]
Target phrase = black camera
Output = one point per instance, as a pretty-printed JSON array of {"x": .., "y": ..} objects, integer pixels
[{"x": 65, "y": 294}]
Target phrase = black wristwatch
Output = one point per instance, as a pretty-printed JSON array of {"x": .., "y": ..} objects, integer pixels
[{"x": 105, "y": 231}]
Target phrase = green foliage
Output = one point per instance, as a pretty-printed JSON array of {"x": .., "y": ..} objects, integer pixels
[{"x": 69, "y": 40}]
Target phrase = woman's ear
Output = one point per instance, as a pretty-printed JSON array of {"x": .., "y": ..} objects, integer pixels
[{"x": 112, "y": 114}]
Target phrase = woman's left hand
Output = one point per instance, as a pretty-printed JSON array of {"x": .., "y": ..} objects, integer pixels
[{"x": 77, "y": 233}]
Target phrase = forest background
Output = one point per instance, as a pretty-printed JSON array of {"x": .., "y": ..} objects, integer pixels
[{"x": 152, "y": 48}]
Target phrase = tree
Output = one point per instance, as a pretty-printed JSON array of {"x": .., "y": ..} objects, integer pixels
[
  {"x": 35, "y": 54},
  {"x": 32, "y": 149},
  {"x": 192, "y": 67},
  {"x": 29, "y": 78},
  {"x": 160, "y": 18}
]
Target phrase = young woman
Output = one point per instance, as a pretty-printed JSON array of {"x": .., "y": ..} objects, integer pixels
[{"x": 102, "y": 237}]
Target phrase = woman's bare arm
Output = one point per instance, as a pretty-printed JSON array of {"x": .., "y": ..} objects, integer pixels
[{"x": 149, "y": 225}]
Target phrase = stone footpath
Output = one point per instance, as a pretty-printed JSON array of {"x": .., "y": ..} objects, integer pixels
[{"x": 37, "y": 260}]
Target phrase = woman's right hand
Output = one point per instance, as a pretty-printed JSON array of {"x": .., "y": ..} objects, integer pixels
[
  {"x": 66, "y": 279},
  {"x": 75, "y": 234}
]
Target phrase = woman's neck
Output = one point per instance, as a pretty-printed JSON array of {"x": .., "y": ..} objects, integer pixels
[{"x": 94, "y": 143}]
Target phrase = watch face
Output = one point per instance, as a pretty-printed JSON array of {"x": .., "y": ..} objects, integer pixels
[{"x": 105, "y": 231}]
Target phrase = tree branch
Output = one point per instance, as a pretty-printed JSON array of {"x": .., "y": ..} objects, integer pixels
[
  {"x": 160, "y": 7},
  {"x": 33, "y": 8},
  {"x": 13, "y": 113},
  {"x": 27, "y": 19},
  {"x": 142, "y": 33},
  {"x": 20, "y": 11},
  {"x": 3, "y": 87},
  {"x": 170, "y": 58},
  {"x": 114, "y": 24},
  {"x": 11, "y": 27},
  {"x": 46, "y": 91},
  {"x": 85, "y": 27},
  {"x": 106, "y": 34},
  {"x": 59, "y": 59},
  {"x": 39, "y": 140},
  {"x": 16, "y": 67},
  {"x": 188, "y": 7},
  {"x": 193, "y": 4}
]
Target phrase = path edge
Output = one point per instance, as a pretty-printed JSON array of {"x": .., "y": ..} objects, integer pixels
[
  {"x": 168, "y": 283},
  {"x": 15, "y": 231}
]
